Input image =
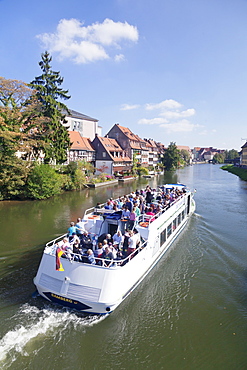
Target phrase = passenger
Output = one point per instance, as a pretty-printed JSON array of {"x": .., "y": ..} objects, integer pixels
[
  {"x": 137, "y": 238},
  {"x": 137, "y": 210},
  {"x": 108, "y": 257},
  {"x": 66, "y": 247},
  {"x": 106, "y": 236},
  {"x": 90, "y": 257},
  {"x": 150, "y": 213},
  {"x": 114, "y": 250},
  {"x": 149, "y": 195},
  {"x": 98, "y": 253},
  {"x": 105, "y": 244},
  {"x": 132, "y": 218},
  {"x": 80, "y": 227},
  {"x": 131, "y": 243},
  {"x": 117, "y": 239},
  {"x": 71, "y": 229},
  {"x": 99, "y": 250},
  {"x": 129, "y": 204},
  {"x": 125, "y": 213},
  {"x": 115, "y": 208},
  {"x": 108, "y": 205},
  {"x": 142, "y": 206},
  {"x": 75, "y": 243},
  {"x": 86, "y": 241},
  {"x": 126, "y": 242},
  {"x": 120, "y": 203}
]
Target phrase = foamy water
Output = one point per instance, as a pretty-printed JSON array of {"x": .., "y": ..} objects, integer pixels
[{"x": 35, "y": 324}]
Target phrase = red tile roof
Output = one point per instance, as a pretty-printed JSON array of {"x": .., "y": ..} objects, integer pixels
[
  {"x": 79, "y": 142},
  {"x": 111, "y": 145}
]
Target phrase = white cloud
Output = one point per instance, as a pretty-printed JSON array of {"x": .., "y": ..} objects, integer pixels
[
  {"x": 84, "y": 44},
  {"x": 165, "y": 104},
  {"x": 152, "y": 121},
  {"x": 179, "y": 126},
  {"x": 129, "y": 106},
  {"x": 177, "y": 115},
  {"x": 171, "y": 116},
  {"x": 119, "y": 58}
]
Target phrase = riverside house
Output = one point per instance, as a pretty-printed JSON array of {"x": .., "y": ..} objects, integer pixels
[
  {"x": 81, "y": 148},
  {"x": 110, "y": 158}
]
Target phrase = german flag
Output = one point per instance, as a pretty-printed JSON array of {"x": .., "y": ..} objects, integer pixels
[{"x": 59, "y": 253}]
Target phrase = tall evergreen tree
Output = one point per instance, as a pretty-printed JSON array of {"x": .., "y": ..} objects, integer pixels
[{"x": 48, "y": 91}]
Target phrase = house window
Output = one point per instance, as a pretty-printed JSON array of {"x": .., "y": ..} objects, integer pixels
[{"x": 103, "y": 154}]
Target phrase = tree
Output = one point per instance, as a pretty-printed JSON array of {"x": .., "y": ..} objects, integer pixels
[
  {"x": 48, "y": 92},
  {"x": 13, "y": 93},
  {"x": 185, "y": 156},
  {"x": 43, "y": 182},
  {"x": 171, "y": 157},
  {"x": 232, "y": 154},
  {"x": 21, "y": 131},
  {"x": 219, "y": 158}
]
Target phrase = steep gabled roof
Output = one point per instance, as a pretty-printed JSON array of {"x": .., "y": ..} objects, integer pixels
[
  {"x": 111, "y": 145},
  {"x": 76, "y": 114},
  {"x": 180, "y": 147},
  {"x": 79, "y": 142},
  {"x": 128, "y": 133}
]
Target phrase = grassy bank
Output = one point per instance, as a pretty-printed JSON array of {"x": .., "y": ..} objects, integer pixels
[{"x": 240, "y": 172}]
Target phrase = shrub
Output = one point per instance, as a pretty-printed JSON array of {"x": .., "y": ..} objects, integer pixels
[
  {"x": 43, "y": 182},
  {"x": 143, "y": 171}
]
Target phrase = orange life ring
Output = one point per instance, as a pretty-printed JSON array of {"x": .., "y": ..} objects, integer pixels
[
  {"x": 93, "y": 217},
  {"x": 144, "y": 224}
]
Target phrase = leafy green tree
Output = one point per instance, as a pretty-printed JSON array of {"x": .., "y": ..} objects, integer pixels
[
  {"x": 13, "y": 177},
  {"x": 185, "y": 156},
  {"x": 21, "y": 132},
  {"x": 142, "y": 171},
  {"x": 232, "y": 154},
  {"x": 134, "y": 168},
  {"x": 172, "y": 157},
  {"x": 219, "y": 158},
  {"x": 43, "y": 182},
  {"x": 48, "y": 92}
]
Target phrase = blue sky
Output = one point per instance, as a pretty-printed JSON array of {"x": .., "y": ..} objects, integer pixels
[{"x": 170, "y": 70}]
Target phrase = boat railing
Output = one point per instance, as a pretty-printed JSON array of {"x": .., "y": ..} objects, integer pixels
[
  {"x": 102, "y": 262},
  {"x": 144, "y": 220}
]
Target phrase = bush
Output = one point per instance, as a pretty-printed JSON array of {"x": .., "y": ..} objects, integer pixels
[
  {"x": 143, "y": 171},
  {"x": 43, "y": 182}
]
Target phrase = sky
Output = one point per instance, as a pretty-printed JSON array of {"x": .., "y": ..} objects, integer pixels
[{"x": 170, "y": 70}]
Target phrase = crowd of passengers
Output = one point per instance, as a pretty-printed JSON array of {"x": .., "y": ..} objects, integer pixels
[
  {"x": 149, "y": 202},
  {"x": 107, "y": 249}
]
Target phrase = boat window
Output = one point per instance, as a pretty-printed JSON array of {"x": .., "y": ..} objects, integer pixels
[
  {"x": 179, "y": 219},
  {"x": 162, "y": 237},
  {"x": 174, "y": 224},
  {"x": 183, "y": 214},
  {"x": 169, "y": 230}
]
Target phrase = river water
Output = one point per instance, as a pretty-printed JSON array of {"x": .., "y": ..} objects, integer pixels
[{"x": 190, "y": 312}]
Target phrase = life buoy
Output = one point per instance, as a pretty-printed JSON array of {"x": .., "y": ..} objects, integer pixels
[
  {"x": 144, "y": 224},
  {"x": 93, "y": 217}
]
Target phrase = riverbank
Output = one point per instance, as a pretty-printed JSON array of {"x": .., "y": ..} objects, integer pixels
[{"x": 238, "y": 171}]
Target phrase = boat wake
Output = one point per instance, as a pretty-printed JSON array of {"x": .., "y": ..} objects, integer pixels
[{"x": 32, "y": 324}]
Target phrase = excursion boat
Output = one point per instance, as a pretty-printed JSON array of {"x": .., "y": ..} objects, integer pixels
[{"x": 100, "y": 288}]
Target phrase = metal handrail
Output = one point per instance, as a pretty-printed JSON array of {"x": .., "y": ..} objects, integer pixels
[{"x": 104, "y": 261}]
